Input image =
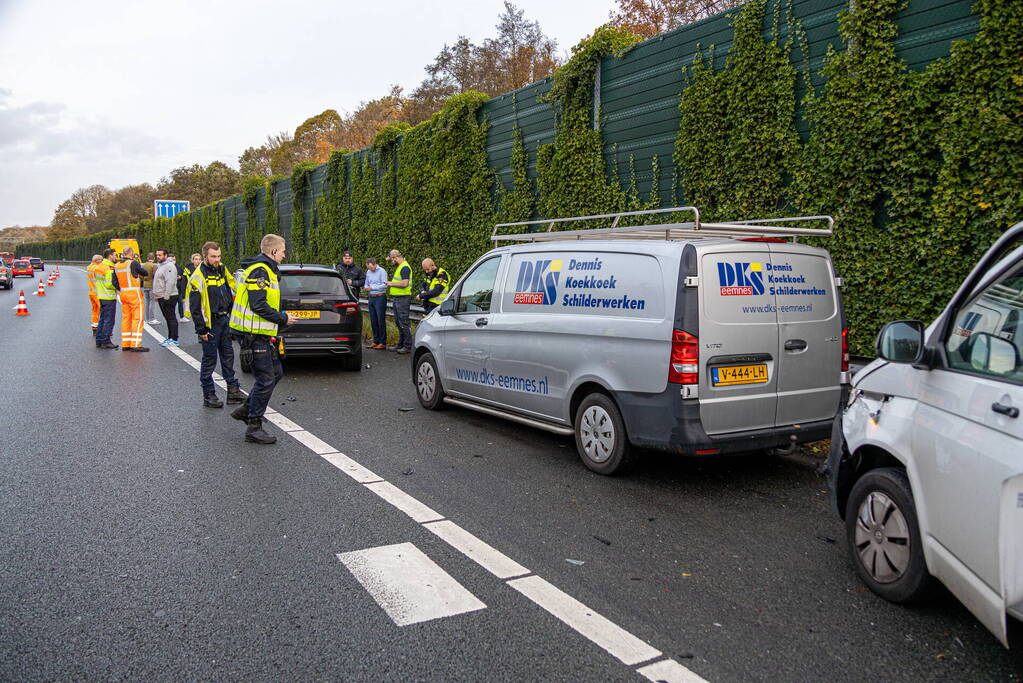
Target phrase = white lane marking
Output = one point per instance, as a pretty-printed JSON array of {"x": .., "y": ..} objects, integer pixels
[
  {"x": 404, "y": 502},
  {"x": 408, "y": 585},
  {"x": 313, "y": 443},
  {"x": 669, "y": 671},
  {"x": 351, "y": 468},
  {"x": 283, "y": 423},
  {"x": 616, "y": 640},
  {"x": 422, "y": 514},
  {"x": 494, "y": 561}
]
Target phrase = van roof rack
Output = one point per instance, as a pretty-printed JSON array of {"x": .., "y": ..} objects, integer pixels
[{"x": 761, "y": 227}]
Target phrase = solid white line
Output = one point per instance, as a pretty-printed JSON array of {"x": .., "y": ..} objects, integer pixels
[
  {"x": 615, "y": 640},
  {"x": 351, "y": 468},
  {"x": 495, "y": 562},
  {"x": 404, "y": 502},
  {"x": 408, "y": 585},
  {"x": 283, "y": 423},
  {"x": 669, "y": 671},
  {"x": 311, "y": 442}
]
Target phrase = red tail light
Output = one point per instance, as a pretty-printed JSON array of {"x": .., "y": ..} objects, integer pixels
[
  {"x": 350, "y": 307},
  {"x": 845, "y": 350},
  {"x": 684, "y": 367}
]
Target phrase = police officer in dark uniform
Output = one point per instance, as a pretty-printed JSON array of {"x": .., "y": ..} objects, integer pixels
[
  {"x": 210, "y": 300},
  {"x": 435, "y": 285},
  {"x": 257, "y": 315}
]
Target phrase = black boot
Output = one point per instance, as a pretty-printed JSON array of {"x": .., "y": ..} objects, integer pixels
[
  {"x": 241, "y": 412},
  {"x": 234, "y": 394},
  {"x": 255, "y": 433},
  {"x": 210, "y": 400}
]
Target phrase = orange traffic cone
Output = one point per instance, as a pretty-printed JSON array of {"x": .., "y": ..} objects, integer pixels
[
  {"x": 49, "y": 281},
  {"x": 57, "y": 273},
  {"x": 42, "y": 288},
  {"x": 22, "y": 306}
]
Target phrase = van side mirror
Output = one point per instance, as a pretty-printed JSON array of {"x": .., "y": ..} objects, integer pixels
[
  {"x": 901, "y": 341},
  {"x": 447, "y": 307},
  {"x": 990, "y": 354}
]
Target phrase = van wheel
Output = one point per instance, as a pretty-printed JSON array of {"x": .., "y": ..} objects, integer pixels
[
  {"x": 600, "y": 436},
  {"x": 884, "y": 536},
  {"x": 428, "y": 386}
]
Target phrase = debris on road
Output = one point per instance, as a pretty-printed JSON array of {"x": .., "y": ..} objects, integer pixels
[
  {"x": 408, "y": 471},
  {"x": 405, "y": 410},
  {"x": 575, "y": 562},
  {"x": 602, "y": 540}
]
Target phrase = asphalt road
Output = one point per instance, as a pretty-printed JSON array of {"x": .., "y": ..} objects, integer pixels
[{"x": 143, "y": 538}]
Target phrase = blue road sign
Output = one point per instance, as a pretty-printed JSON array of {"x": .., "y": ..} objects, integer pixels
[{"x": 167, "y": 208}]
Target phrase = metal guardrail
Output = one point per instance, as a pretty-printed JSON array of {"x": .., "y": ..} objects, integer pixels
[{"x": 416, "y": 312}]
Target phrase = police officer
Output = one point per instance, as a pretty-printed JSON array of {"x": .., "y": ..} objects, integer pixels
[
  {"x": 256, "y": 315},
  {"x": 435, "y": 285},
  {"x": 210, "y": 300}
]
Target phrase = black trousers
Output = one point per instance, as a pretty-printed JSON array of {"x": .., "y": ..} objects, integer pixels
[
  {"x": 167, "y": 307},
  {"x": 266, "y": 368},
  {"x": 218, "y": 345}
]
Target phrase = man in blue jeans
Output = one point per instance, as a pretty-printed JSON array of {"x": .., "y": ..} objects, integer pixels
[
  {"x": 210, "y": 299},
  {"x": 376, "y": 293}
]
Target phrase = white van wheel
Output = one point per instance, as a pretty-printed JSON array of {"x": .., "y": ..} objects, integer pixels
[
  {"x": 884, "y": 536},
  {"x": 600, "y": 435},
  {"x": 428, "y": 387}
]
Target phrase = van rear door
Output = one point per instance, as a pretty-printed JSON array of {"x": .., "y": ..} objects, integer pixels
[
  {"x": 808, "y": 370},
  {"x": 738, "y": 338}
]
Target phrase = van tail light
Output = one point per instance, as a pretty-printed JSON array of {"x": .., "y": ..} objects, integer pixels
[
  {"x": 684, "y": 367},
  {"x": 349, "y": 307},
  {"x": 845, "y": 350}
]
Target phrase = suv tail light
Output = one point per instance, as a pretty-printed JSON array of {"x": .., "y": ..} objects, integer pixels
[
  {"x": 349, "y": 307},
  {"x": 684, "y": 367},
  {"x": 845, "y": 350}
]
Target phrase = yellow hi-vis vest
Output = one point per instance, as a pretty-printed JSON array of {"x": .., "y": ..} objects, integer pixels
[
  {"x": 243, "y": 318},
  {"x": 446, "y": 283},
  {"x": 398, "y": 277},
  {"x": 196, "y": 282},
  {"x": 104, "y": 287}
]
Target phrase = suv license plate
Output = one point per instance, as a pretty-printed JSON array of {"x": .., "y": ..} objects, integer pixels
[
  {"x": 738, "y": 374},
  {"x": 305, "y": 314}
]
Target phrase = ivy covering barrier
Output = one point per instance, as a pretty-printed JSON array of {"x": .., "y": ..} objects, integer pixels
[{"x": 904, "y": 120}]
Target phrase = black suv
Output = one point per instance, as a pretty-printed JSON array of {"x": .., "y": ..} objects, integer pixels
[{"x": 330, "y": 322}]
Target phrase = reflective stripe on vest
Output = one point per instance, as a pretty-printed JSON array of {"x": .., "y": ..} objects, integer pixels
[
  {"x": 196, "y": 283},
  {"x": 125, "y": 278},
  {"x": 446, "y": 283},
  {"x": 398, "y": 277},
  {"x": 243, "y": 318},
  {"x": 104, "y": 287}
]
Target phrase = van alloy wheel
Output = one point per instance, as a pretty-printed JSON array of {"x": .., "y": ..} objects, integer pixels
[
  {"x": 598, "y": 434},
  {"x": 426, "y": 382},
  {"x": 882, "y": 538}
]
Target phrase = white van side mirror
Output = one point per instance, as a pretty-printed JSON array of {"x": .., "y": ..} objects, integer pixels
[
  {"x": 901, "y": 341},
  {"x": 447, "y": 307},
  {"x": 991, "y": 354}
]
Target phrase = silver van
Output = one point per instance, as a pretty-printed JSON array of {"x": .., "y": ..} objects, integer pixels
[{"x": 696, "y": 338}]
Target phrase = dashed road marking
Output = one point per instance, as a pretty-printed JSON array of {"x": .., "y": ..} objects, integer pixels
[
  {"x": 613, "y": 639},
  {"x": 408, "y": 585}
]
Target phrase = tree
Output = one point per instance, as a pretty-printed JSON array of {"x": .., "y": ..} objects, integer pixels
[
  {"x": 76, "y": 215},
  {"x": 257, "y": 161},
  {"x": 649, "y": 18},
  {"x": 200, "y": 185},
  {"x": 130, "y": 204},
  {"x": 363, "y": 125}
]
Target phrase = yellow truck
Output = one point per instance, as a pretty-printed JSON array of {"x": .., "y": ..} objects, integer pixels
[{"x": 119, "y": 245}]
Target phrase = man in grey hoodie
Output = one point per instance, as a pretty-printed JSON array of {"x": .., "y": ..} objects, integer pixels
[{"x": 165, "y": 291}]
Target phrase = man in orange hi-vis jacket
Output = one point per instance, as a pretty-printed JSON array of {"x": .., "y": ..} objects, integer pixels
[
  {"x": 127, "y": 280},
  {"x": 90, "y": 276}
]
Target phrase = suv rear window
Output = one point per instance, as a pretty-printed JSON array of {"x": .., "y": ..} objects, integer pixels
[
  {"x": 21, "y": 264},
  {"x": 35, "y": 260},
  {"x": 310, "y": 283}
]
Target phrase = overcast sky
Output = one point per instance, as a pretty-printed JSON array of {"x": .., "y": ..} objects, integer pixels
[{"x": 120, "y": 93}]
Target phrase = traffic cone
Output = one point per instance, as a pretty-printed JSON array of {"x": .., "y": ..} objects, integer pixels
[
  {"x": 22, "y": 306},
  {"x": 42, "y": 288},
  {"x": 58, "y": 271},
  {"x": 49, "y": 281}
]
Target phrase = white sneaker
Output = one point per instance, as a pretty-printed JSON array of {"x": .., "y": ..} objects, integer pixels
[
  {"x": 182, "y": 320},
  {"x": 154, "y": 321},
  {"x": 165, "y": 342},
  {"x": 174, "y": 342}
]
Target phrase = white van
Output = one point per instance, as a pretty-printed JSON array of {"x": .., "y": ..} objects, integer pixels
[
  {"x": 695, "y": 338},
  {"x": 926, "y": 465}
]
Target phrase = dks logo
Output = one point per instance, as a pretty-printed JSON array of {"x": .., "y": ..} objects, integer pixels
[
  {"x": 741, "y": 279},
  {"x": 537, "y": 282}
]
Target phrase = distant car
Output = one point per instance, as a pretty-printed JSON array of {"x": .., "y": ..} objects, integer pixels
[
  {"x": 22, "y": 268},
  {"x": 330, "y": 322},
  {"x": 37, "y": 263},
  {"x": 6, "y": 275},
  {"x": 926, "y": 460}
]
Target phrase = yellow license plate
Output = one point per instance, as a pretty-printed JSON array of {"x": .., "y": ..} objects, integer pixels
[
  {"x": 305, "y": 314},
  {"x": 739, "y": 374}
]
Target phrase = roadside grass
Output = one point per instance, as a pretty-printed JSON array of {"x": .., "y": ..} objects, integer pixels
[{"x": 392, "y": 330}]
